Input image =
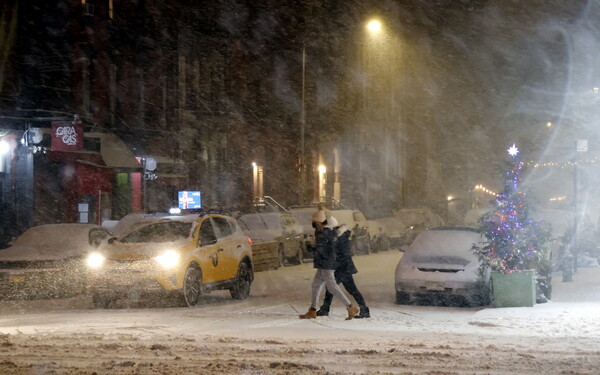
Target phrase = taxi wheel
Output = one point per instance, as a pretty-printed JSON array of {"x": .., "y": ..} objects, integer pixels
[
  {"x": 192, "y": 286},
  {"x": 241, "y": 288}
]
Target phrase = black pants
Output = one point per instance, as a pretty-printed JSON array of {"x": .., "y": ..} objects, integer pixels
[{"x": 348, "y": 282}]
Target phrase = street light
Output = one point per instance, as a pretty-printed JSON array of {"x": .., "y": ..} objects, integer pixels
[
  {"x": 4, "y": 150},
  {"x": 257, "y": 183},
  {"x": 374, "y": 26},
  {"x": 322, "y": 177}
]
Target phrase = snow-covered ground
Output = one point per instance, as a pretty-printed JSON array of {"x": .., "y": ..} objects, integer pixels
[{"x": 263, "y": 334}]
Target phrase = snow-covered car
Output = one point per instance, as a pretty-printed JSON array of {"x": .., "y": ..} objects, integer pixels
[
  {"x": 49, "y": 260},
  {"x": 186, "y": 256},
  {"x": 417, "y": 220},
  {"x": 303, "y": 216},
  {"x": 440, "y": 267},
  {"x": 278, "y": 227},
  {"x": 363, "y": 232},
  {"x": 394, "y": 230}
]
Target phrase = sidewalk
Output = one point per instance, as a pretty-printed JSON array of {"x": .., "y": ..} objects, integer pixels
[{"x": 585, "y": 286}]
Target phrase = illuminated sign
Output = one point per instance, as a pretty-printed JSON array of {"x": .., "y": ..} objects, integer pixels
[
  {"x": 190, "y": 200},
  {"x": 67, "y": 135}
]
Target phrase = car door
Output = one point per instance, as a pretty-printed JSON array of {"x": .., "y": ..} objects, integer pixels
[
  {"x": 229, "y": 246},
  {"x": 208, "y": 252}
]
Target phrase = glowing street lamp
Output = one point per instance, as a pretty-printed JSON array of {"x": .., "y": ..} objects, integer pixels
[
  {"x": 322, "y": 177},
  {"x": 4, "y": 150},
  {"x": 374, "y": 26},
  {"x": 257, "y": 183}
]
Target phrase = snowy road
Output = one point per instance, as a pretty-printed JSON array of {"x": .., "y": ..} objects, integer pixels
[{"x": 264, "y": 335}]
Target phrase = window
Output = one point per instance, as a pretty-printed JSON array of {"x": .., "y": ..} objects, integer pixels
[
  {"x": 223, "y": 227},
  {"x": 207, "y": 233}
]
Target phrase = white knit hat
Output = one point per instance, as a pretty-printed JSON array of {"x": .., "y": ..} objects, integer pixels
[
  {"x": 318, "y": 217},
  {"x": 332, "y": 222}
]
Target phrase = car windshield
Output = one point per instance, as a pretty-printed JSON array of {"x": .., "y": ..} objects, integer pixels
[
  {"x": 444, "y": 247},
  {"x": 252, "y": 222},
  {"x": 359, "y": 216},
  {"x": 272, "y": 220},
  {"x": 303, "y": 216},
  {"x": 160, "y": 232}
]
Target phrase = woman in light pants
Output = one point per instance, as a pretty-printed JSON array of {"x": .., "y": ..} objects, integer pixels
[{"x": 324, "y": 262}]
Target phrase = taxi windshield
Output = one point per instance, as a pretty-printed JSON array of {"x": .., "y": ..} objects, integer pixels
[{"x": 160, "y": 232}]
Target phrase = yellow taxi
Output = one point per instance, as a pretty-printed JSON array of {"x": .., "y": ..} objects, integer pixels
[{"x": 188, "y": 256}]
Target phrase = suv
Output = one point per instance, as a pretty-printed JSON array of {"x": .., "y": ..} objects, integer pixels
[
  {"x": 278, "y": 227},
  {"x": 303, "y": 216},
  {"x": 186, "y": 255},
  {"x": 364, "y": 232},
  {"x": 417, "y": 220}
]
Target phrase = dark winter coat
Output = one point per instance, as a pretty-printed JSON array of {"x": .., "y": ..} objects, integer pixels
[
  {"x": 324, "y": 254},
  {"x": 342, "y": 245}
]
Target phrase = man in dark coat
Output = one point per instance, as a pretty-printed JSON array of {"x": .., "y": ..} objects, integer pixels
[
  {"x": 344, "y": 271},
  {"x": 325, "y": 263}
]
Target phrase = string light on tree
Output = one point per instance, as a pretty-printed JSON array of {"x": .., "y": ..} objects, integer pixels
[{"x": 514, "y": 240}]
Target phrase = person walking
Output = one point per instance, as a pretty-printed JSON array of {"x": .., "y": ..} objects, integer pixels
[
  {"x": 325, "y": 263},
  {"x": 344, "y": 270}
]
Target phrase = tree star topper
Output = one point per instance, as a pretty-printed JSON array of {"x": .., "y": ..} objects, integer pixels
[{"x": 513, "y": 150}]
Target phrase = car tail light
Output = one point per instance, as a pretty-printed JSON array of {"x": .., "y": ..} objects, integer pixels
[{"x": 249, "y": 241}]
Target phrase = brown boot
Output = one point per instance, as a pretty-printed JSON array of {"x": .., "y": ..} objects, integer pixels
[
  {"x": 311, "y": 314},
  {"x": 352, "y": 311}
]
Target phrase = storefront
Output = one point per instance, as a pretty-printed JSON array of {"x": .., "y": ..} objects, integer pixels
[{"x": 62, "y": 174}]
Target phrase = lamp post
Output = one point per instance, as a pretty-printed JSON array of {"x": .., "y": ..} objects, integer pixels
[
  {"x": 374, "y": 65},
  {"x": 580, "y": 146},
  {"x": 302, "y": 190}
]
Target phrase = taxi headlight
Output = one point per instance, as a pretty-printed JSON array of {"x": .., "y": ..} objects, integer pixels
[
  {"x": 95, "y": 260},
  {"x": 168, "y": 258}
]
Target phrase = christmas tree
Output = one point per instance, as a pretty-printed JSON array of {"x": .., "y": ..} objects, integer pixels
[{"x": 514, "y": 240}]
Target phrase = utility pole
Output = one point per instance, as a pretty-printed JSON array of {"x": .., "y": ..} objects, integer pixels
[{"x": 302, "y": 131}]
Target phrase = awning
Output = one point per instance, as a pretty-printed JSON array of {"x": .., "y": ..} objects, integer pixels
[{"x": 116, "y": 154}]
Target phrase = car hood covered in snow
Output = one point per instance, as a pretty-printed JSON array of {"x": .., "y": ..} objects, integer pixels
[
  {"x": 140, "y": 250},
  {"x": 28, "y": 253},
  {"x": 50, "y": 242}
]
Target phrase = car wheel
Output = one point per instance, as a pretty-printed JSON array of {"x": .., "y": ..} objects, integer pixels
[
  {"x": 192, "y": 286},
  {"x": 281, "y": 255},
  {"x": 300, "y": 255},
  {"x": 374, "y": 244},
  {"x": 101, "y": 300},
  {"x": 384, "y": 243},
  {"x": 241, "y": 288},
  {"x": 402, "y": 298}
]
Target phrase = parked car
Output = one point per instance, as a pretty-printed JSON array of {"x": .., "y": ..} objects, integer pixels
[
  {"x": 281, "y": 228},
  {"x": 394, "y": 230},
  {"x": 49, "y": 260},
  {"x": 440, "y": 267},
  {"x": 303, "y": 216},
  {"x": 417, "y": 220},
  {"x": 364, "y": 233},
  {"x": 187, "y": 256}
]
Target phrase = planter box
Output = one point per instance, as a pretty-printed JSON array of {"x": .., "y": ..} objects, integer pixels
[{"x": 516, "y": 289}]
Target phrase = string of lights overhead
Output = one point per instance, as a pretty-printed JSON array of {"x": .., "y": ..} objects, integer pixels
[
  {"x": 566, "y": 164},
  {"x": 485, "y": 190}
]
